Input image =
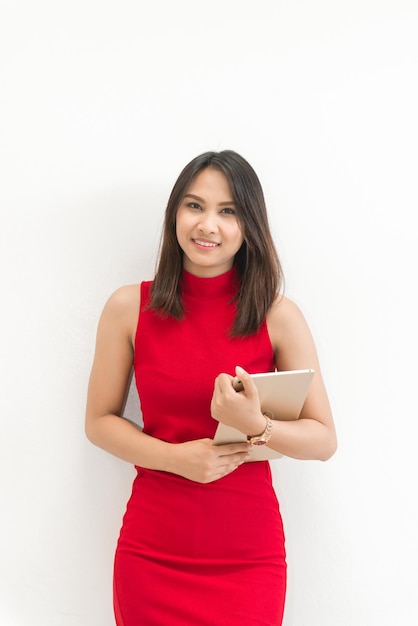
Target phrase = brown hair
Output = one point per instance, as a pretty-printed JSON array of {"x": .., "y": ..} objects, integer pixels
[{"x": 257, "y": 261}]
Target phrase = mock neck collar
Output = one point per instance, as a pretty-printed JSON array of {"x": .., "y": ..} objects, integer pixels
[{"x": 226, "y": 284}]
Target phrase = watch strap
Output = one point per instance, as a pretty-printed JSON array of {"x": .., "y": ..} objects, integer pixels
[{"x": 264, "y": 437}]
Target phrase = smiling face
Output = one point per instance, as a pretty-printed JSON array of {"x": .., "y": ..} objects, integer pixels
[{"x": 207, "y": 227}]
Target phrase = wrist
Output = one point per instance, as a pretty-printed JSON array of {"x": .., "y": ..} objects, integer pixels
[
  {"x": 170, "y": 458},
  {"x": 264, "y": 435},
  {"x": 258, "y": 426}
]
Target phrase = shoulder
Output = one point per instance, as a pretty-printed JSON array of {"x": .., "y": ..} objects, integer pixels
[
  {"x": 286, "y": 324},
  {"x": 121, "y": 309},
  {"x": 123, "y": 299},
  {"x": 284, "y": 311}
]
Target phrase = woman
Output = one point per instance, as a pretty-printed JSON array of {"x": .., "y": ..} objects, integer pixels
[{"x": 202, "y": 540}]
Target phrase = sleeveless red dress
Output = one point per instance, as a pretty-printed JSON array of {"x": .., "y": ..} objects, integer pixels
[{"x": 191, "y": 554}]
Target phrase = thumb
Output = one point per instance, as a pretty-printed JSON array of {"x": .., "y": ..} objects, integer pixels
[
  {"x": 240, "y": 371},
  {"x": 245, "y": 378}
]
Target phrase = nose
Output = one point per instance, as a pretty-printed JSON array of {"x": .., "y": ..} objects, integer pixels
[{"x": 208, "y": 222}]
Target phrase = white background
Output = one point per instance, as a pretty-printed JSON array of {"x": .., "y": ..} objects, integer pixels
[{"x": 102, "y": 104}]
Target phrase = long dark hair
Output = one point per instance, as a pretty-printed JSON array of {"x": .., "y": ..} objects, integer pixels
[{"x": 257, "y": 260}]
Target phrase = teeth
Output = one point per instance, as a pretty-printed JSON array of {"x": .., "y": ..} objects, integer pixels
[{"x": 207, "y": 244}]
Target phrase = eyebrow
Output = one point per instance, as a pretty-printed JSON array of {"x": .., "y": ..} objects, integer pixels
[{"x": 192, "y": 195}]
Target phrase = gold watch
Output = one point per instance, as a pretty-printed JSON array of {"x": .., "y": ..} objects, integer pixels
[{"x": 262, "y": 438}]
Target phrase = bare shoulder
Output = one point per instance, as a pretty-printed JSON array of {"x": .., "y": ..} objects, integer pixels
[
  {"x": 284, "y": 312},
  {"x": 123, "y": 299},
  {"x": 121, "y": 309},
  {"x": 290, "y": 334}
]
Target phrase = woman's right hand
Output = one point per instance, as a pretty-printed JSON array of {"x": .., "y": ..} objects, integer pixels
[{"x": 203, "y": 462}]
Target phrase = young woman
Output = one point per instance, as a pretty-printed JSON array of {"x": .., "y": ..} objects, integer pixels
[{"x": 202, "y": 541}]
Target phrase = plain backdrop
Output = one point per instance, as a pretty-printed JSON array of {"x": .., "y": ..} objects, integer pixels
[{"x": 102, "y": 104}]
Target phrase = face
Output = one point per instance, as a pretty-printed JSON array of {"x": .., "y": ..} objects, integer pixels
[{"x": 207, "y": 227}]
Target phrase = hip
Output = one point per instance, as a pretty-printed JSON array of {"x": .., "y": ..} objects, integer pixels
[{"x": 233, "y": 520}]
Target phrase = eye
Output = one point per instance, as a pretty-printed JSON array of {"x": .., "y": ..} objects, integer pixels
[
  {"x": 228, "y": 211},
  {"x": 194, "y": 205}
]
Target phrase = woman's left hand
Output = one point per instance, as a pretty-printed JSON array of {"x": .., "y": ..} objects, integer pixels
[{"x": 241, "y": 409}]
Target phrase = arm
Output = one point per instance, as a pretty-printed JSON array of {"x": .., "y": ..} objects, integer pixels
[
  {"x": 313, "y": 435},
  {"x": 108, "y": 384}
]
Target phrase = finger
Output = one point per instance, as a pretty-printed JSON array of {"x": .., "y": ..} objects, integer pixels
[
  {"x": 246, "y": 380},
  {"x": 227, "y": 449},
  {"x": 224, "y": 383},
  {"x": 235, "y": 461},
  {"x": 229, "y": 463}
]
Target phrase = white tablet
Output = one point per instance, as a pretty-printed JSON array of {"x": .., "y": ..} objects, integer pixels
[{"x": 282, "y": 394}]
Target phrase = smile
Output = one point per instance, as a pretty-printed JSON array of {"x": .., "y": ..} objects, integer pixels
[{"x": 205, "y": 244}]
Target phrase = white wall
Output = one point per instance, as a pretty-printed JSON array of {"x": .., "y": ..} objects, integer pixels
[{"x": 102, "y": 103}]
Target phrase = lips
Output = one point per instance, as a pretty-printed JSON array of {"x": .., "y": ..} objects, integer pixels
[{"x": 205, "y": 244}]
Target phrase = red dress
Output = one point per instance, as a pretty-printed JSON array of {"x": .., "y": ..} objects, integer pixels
[{"x": 191, "y": 554}]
